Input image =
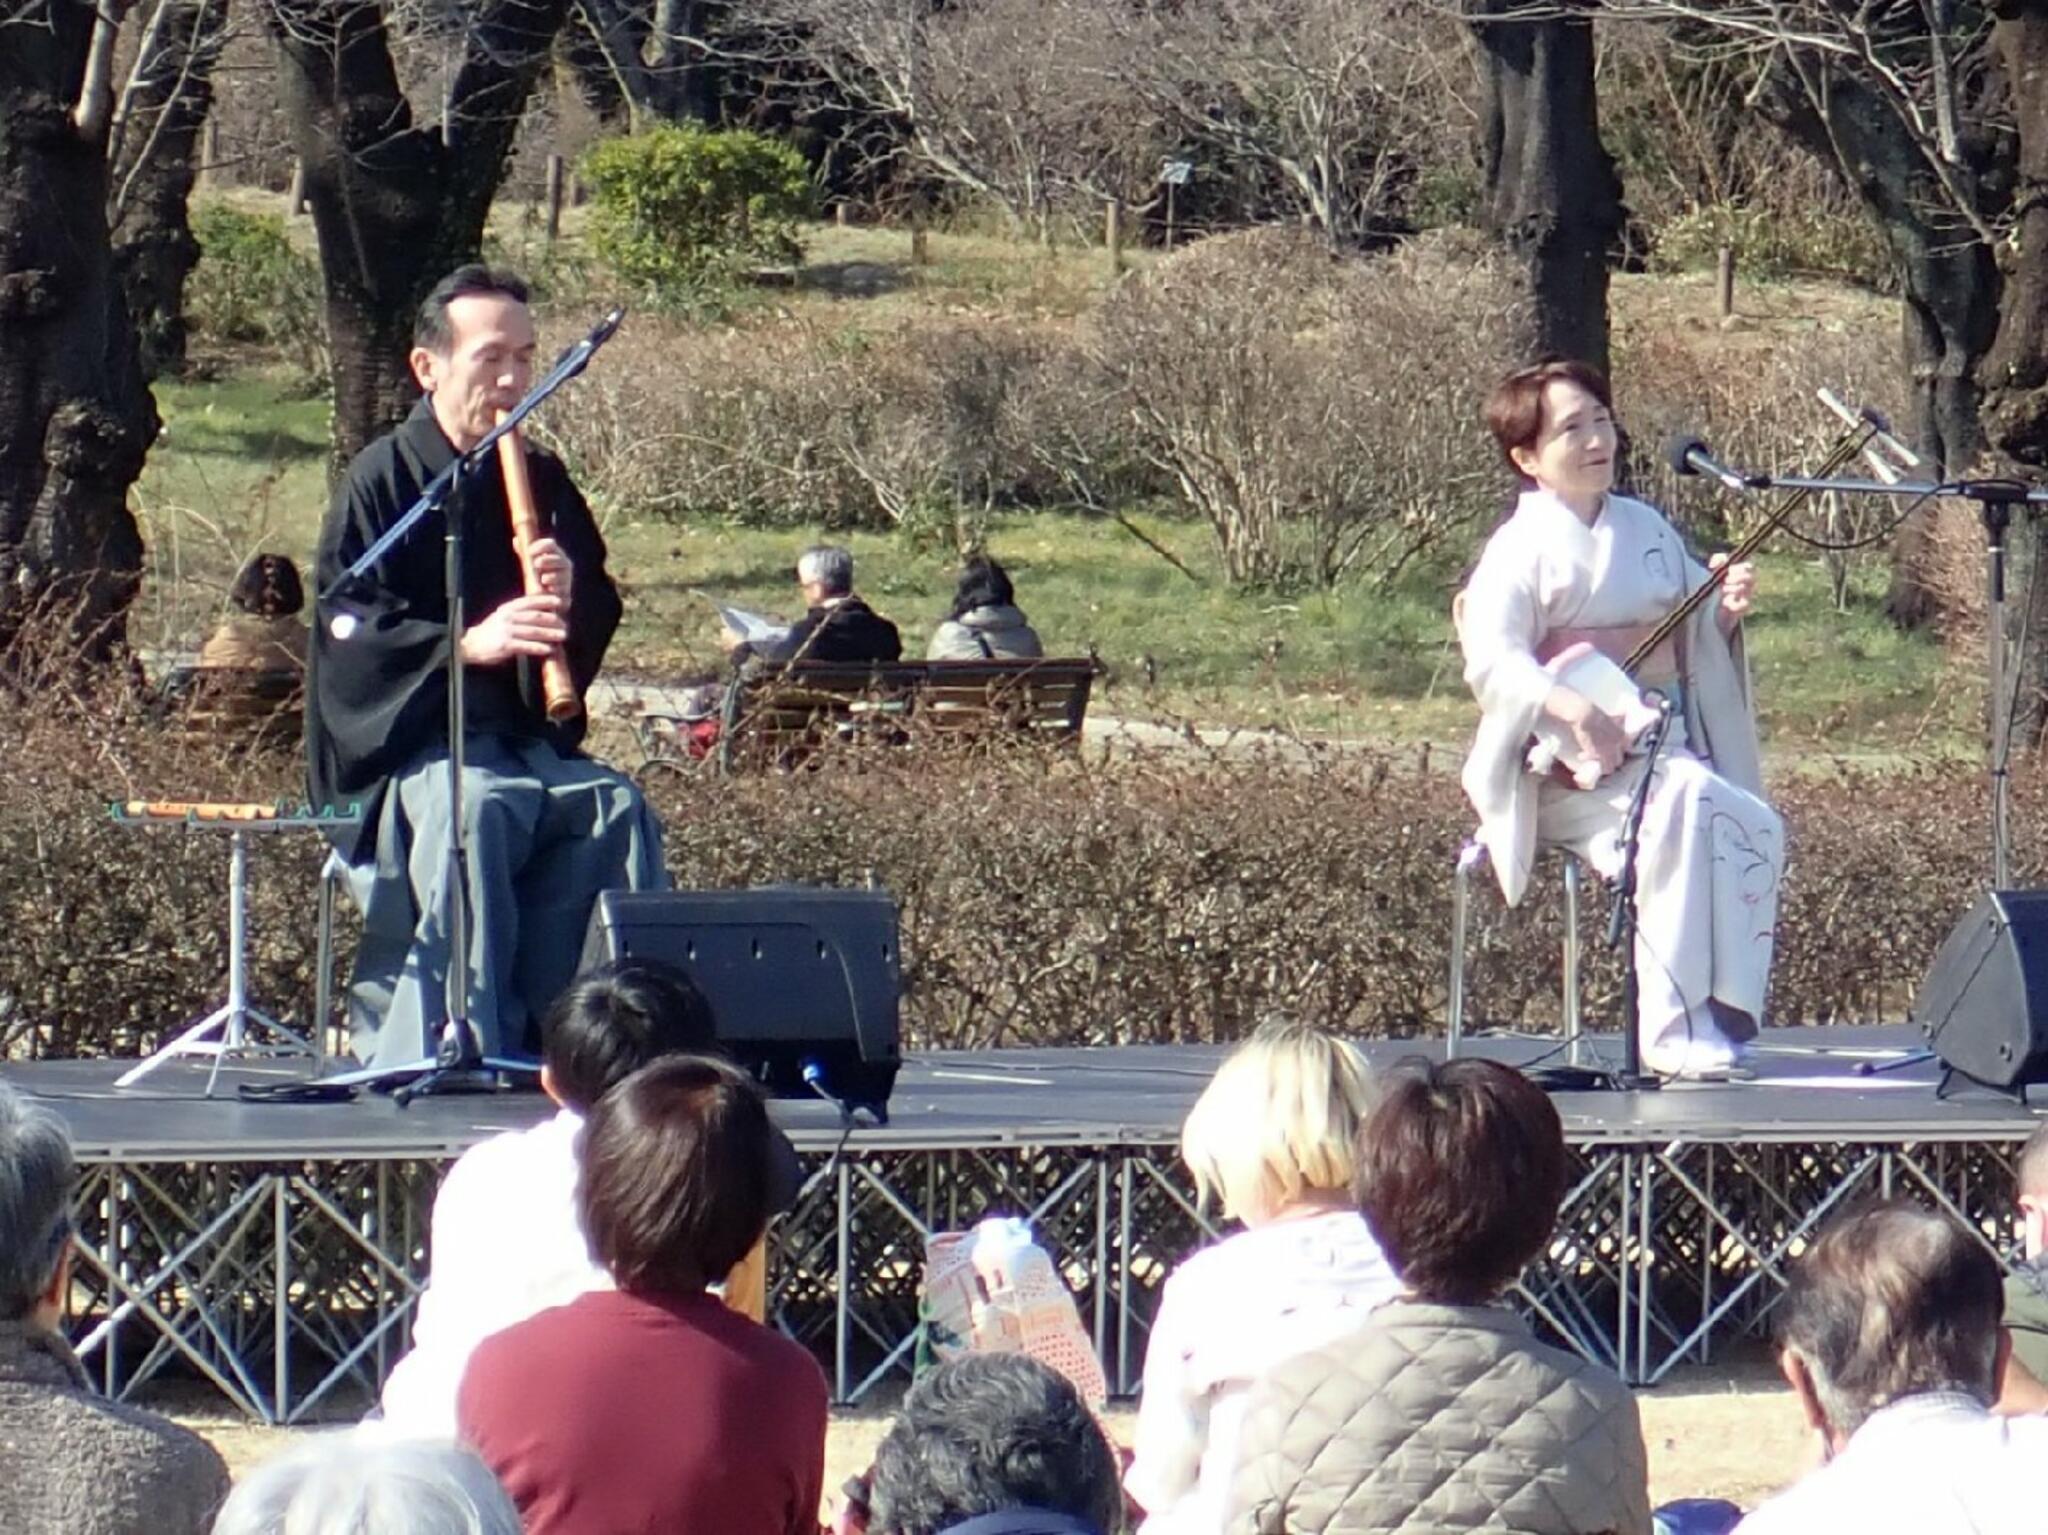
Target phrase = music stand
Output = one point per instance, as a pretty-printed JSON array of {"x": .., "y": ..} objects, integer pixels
[{"x": 231, "y": 1028}]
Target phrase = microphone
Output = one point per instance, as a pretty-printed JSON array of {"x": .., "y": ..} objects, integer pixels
[{"x": 1689, "y": 456}]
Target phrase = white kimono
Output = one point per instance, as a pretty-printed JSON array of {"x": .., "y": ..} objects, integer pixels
[{"x": 1711, "y": 851}]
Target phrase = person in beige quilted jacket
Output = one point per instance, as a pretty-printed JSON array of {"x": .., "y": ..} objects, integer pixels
[{"x": 1443, "y": 1412}]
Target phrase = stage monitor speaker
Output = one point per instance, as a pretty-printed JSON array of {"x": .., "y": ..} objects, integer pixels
[
  {"x": 1984, "y": 1004},
  {"x": 804, "y": 981}
]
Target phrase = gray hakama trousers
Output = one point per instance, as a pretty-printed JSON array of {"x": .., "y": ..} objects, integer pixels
[{"x": 547, "y": 833}]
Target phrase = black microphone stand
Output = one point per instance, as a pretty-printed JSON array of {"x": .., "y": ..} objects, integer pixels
[
  {"x": 458, "y": 1063},
  {"x": 1623, "y": 918},
  {"x": 1995, "y": 502},
  {"x": 1621, "y": 933}
]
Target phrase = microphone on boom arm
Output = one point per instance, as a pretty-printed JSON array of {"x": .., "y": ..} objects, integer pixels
[{"x": 1689, "y": 456}]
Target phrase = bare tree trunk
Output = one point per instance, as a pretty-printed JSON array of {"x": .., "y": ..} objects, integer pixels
[
  {"x": 170, "y": 94},
  {"x": 1950, "y": 291},
  {"x": 396, "y": 203},
  {"x": 636, "y": 58},
  {"x": 2015, "y": 371},
  {"x": 1553, "y": 197},
  {"x": 76, "y": 417}
]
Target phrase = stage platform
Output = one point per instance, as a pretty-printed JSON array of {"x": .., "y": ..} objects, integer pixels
[{"x": 277, "y": 1249}]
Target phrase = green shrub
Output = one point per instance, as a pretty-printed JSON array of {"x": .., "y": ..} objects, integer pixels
[
  {"x": 680, "y": 209},
  {"x": 252, "y": 285}
]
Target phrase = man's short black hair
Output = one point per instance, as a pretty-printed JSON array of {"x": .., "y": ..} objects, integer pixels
[
  {"x": 989, "y": 1432},
  {"x": 616, "y": 1018},
  {"x": 432, "y": 330},
  {"x": 677, "y": 1169}
]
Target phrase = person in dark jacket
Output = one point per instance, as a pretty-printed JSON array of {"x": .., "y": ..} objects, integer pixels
[
  {"x": 71, "y": 1462},
  {"x": 984, "y": 623},
  {"x": 836, "y": 626}
]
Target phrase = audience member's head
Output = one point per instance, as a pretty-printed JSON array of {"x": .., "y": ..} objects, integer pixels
[
  {"x": 1277, "y": 1126},
  {"x": 988, "y": 1432},
  {"x": 2032, "y": 1177},
  {"x": 1461, "y": 1169},
  {"x": 345, "y": 1484},
  {"x": 824, "y": 571},
  {"x": 38, "y": 1175},
  {"x": 983, "y": 584},
  {"x": 613, "y": 1020},
  {"x": 1892, "y": 1300},
  {"x": 678, "y": 1175},
  {"x": 269, "y": 587}
]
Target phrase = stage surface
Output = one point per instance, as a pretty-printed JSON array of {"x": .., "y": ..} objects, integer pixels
[
  {"x": 277, "y": 1250},
  {"x": 1807, "y": 1087}
]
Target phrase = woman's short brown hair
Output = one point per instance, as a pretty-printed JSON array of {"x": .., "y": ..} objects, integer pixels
[
  {"x": 1514, "y": 411},
  {"x": 675, "y": 1182},
  {"x": 1461, "y": 1168}
]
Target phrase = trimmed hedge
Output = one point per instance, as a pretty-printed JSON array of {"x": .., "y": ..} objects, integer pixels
[{"x": 1173, "y": 897}]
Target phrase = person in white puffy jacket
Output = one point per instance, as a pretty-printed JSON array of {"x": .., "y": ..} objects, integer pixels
[{"x": 1271, "y": 1139}]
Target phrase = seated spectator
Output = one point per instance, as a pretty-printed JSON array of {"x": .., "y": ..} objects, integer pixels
[
  {"x": 1443, "y": 1412},
  {"x": 1893, "y": 1346},
  {"x": 836, "y": 626},
  {"x": 72, "y": 1463},
  {"x": 1273, "y": 1138},
  {"x": 2026, "y": 1288},
  {"x": 507, "y": 1241},
  {"x": 994, "y": 1434},
  {"x": 343, "y": 1484},
  {"x": 654, "y": 1407},
  {"x": 984, "y": 623},
  {"x": 264, "y": 632}
]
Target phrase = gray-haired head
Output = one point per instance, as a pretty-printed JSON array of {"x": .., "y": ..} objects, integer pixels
[
  {"x": 350, "y": 1484},
  {"x": 828, "y": 567},
  {"x": 987, "y": 1432},
  {"x": 38, "y": 1176},
  {"x": 1893, "y": 1300}
]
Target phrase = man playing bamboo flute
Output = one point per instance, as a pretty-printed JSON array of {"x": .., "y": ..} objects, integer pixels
[{"x": 548, "y": 828}]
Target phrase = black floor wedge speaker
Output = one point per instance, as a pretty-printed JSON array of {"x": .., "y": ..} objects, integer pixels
[
  {"x": 1984, "y": 1004},
  {"x": 803, "y": 982}
]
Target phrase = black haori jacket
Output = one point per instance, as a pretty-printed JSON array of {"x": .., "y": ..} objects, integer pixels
[{"x": 377, "y": 695}]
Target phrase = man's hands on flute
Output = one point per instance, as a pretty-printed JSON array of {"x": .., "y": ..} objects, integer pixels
[{"x": 529, "y": 625}]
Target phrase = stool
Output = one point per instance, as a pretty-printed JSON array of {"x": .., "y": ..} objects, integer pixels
[{"x": 1472, "y": 857}]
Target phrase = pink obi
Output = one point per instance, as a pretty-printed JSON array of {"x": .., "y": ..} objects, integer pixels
[{"x": 1616, "y": 642}]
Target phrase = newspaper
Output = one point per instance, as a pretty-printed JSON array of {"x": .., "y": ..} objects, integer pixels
[{"x": 752, "y": 628}]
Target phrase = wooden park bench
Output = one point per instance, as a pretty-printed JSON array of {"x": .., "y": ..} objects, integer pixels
[{"x": 777, "y": 717}]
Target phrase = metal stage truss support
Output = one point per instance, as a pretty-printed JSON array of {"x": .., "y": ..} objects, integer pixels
[{"x": 290, "y": 1286}]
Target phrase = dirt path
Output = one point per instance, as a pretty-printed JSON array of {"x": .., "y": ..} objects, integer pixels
[{"x": 1712, "y": 1433}]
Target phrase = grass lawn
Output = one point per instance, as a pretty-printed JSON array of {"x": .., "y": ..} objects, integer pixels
[{"x": 242, "y": 467}]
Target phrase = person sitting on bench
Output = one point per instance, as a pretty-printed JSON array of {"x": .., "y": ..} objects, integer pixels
[
  {"x": 836, "y": 626},
  {"x": 264, "y": 632}
]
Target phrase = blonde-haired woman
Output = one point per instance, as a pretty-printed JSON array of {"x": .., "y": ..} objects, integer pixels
[{"x": 1272, "y": 1139}]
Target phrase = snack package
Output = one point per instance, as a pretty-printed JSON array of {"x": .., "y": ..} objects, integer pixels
[{"x": 994, "y": 1290}]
